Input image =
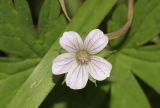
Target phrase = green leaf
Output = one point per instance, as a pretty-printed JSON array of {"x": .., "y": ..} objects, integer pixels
[
  {"x": 11, "y": 66},
  {"x": 21, "y": 43},
  {"x": 13, "y": 73},
  {"x": 146, "y": 64},
  {"x": 10, "y": 85},
  {"x": 140, "y": 61},
  {"x": 125, "y": 89},
  {"x": 51, "y": 23},
  {"x": 12, "y": 45},
  {"x": 41, "y": 77},
  {"x": 144, "y": 27},
  {"x": 18, "y": 42},
  {"x": 49, "y": 12},
  {"x": 16, "y": 29},
  {"x": 133, "y": 59},
  {"x": 25, "y": 18},
  {"x": 118, "y": 19},
  {"x": 72, "y": 6}
]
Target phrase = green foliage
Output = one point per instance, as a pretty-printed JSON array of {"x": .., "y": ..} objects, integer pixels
[
  {"x": 72, "y": 6},
  {"x": 41, "y": 77},
  {"x": 133, "y": 58},
  {"x": 145, "y": 25},
  {"x": 26, "y": 80},
  {"x": 23, "y": 43}
]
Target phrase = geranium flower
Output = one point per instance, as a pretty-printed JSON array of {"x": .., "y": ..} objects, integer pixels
[{"x": 81, "y": 62}]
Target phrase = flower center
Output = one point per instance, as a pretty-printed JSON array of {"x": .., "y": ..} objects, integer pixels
[{"x": 83, "y": 56}]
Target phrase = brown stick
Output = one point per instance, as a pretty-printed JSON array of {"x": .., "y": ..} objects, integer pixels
[
  {"x": 115, "y": 34},
  {"x": 125, "y": 28},
  {"x": 62, "y": 3}
]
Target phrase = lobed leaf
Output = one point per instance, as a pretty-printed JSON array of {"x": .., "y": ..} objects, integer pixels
[
  {"x": 16, "y": 29},
  {"x": 125, "y": 89},
  {"x": 146, "y": 64}
]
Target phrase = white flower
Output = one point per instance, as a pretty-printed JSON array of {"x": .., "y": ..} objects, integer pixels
[{"x": 80, "y": 62}]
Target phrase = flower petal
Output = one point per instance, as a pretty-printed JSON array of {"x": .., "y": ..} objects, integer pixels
[
  {"x": 77, "y": 78},
  {"x": 62, "y": 63},
  {"x": 95, "y": 41},
  {"x": 99, "y": 68},
  {"x": 71, "y": 41}
]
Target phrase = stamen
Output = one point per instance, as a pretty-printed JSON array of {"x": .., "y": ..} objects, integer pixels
[{"x": 83, "y": 56}]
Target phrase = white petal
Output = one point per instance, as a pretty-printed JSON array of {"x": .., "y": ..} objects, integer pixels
[
  {"x": 62, "y": 63},
  {"x": 77, "y": 77},
  {"x": 95, "y": 41},
  {"x": 71, "y": 41},
  {"x": 99, "y": 68}
]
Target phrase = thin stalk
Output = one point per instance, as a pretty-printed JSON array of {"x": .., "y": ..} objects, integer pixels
[
  {"x": 62, "y": 3},
  {"x": 127, "y": 25}
]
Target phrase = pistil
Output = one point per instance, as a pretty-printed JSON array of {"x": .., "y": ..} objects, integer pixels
[{"x": 83, "y": 56}]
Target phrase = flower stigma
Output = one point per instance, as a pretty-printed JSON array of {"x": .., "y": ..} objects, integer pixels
[{"x": 83, "y": 56}]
